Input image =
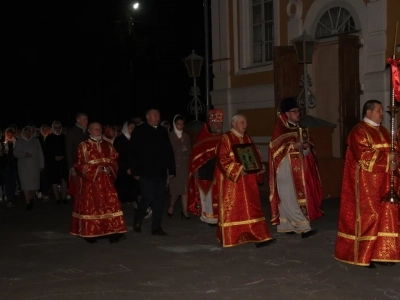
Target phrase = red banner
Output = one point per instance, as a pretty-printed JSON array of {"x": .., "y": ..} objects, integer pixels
[{"x": 395, "y": 77}]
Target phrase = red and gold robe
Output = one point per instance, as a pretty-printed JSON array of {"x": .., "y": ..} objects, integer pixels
[
  {"x": 305, "y": 174},
  {"x": 241, "y": 218},
  {"x": 203, "y": 150},
  {"x": 97, "y": 209},
  {"x": 367, "y": 228}
]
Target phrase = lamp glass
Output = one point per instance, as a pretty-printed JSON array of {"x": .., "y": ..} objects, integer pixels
[
  {"x": 298, "y": 46},
  {"x": 310, "y": 45},
  {"x": 194, "y": 67}
]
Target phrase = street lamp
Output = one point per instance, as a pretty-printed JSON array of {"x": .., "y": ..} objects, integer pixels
[
  {"x": 135, "y": 5},
  {"x": 305, "y": 47},
  {"x": 193, "y": 64}
]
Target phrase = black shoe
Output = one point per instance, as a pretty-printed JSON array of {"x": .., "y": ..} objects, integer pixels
[
  {"x": 183, "y": 216},
  {"x": 371, "y": 266},
  {"x": 29, "y": 206},
  {"x": 159, "y": 232},
  {"x": 115, "y": 238},
  {"x": 64, "y": 201},
  {"x": 137, "y": 228},
  {"x": 266, "y": 243},
  {"x": 58, "y": 201},
  {"x": 290, "y": 232},
  {"x": 91, "y": 240},
  {"x": 307, "y": 234},
  {"x": 384, "y": 263}
]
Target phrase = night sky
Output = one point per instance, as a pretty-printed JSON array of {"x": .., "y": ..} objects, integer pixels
[{"x": 84, "y": 56}]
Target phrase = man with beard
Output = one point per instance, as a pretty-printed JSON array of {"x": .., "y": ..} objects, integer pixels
[
  {"x": 201, "y": 201},
  {"x": 97, "y": 209},
  {"x": 294, "y": 182}
]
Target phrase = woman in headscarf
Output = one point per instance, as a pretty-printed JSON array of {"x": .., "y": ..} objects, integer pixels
[
  {"x": 9, "y": 170},
  {"x": 42, "y": 133},
  {"x": 125, "y": 184},
  {"x": 57, "y": 165},
  {"x": 178, "y": 185},
  {"x": 30, "y": 163}
]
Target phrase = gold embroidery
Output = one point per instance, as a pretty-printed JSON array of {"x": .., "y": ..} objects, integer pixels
[
  {"x": 353, "y": 237},
  {"x": 302, "y": 201},
  {"x": 94, "y": 217},
  {"x": 242, "y": 222},
  {"x": 388, "y": 234}
]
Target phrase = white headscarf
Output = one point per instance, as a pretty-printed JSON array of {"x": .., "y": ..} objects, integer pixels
[
  {"x": 177, "y": 132},
  {"x": 6, "y": 139},
  {"x": 54, "y": 129},
  {"x": 26, "y": 128},
  {"x": 125, "y": 131}
]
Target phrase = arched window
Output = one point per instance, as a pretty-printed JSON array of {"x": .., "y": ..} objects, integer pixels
[{"x": 334, "y": 21}]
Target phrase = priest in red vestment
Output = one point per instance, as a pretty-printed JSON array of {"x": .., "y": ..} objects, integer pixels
[
  {"x": 241, "y": 218},
  {"x": 368, "y": 231},
  {"x": 97, "y": 209},
  {"x": 201, "y": 169},
  {"x": 294, "y": 182}
]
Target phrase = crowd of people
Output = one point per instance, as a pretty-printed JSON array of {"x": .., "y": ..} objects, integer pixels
[{"x": 216, "y": 177}]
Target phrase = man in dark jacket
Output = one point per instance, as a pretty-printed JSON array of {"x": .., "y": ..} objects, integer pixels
[
  {"x": 151, "y": 159},
  {"x": 76, "y": 135}
]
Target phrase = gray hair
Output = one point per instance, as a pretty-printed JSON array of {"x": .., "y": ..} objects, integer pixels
[{"x": 236, "y": 116}]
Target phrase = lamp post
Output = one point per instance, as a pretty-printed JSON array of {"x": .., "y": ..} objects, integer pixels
[
  {"x": 305, "y": 46},
  {"x": 193, "y": 64}
]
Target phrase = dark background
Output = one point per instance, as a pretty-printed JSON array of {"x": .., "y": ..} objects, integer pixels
[{"x": 85, "y": 56}]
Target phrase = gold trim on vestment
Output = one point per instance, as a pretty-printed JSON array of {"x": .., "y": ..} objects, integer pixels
[
  {"x": 242, "y": 222},
  {"x": 358, "y": 216},
  {"x": 351, "y": 262},
  {"x": 97, "y": 235},
  {"x": 373, "y": 160},
  {"x": 99, "y": 160},
  {"x": 228, "y": 172},
  {"x": 283, "y": 136},
  {"x": 244, "y": 242},
  {"x": 368, "y": 238},
  {"x": 388, "y": 234},
  {"x": 193, "y": 161},
  {"x": 202, "y": 153},
  {"x": 365, "y": 265},
  {"x": 209, "y": 215},
  {"x": 384, "y": 145},
  {"x": 97, "y": 217}
]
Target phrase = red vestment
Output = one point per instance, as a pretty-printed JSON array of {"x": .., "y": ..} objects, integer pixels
[
  {"x": 241, "y": 218},
  {"x": 97, "y": 209},
  {"x": 203, "y": 150},
  {"x": 367, "y": 228},
  {"x": 305, "y": 174}
]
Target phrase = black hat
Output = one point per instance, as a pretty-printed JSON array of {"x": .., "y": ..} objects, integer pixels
[{"x": 288, "y": 104}]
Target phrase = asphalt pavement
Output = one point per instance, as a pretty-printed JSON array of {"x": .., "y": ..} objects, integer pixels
[{"x": 40, "y": 260}]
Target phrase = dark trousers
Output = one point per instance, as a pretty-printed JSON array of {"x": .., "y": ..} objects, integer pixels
[
  {"x": 126, "y": 187},
  {"x": 44, "y": 182},
  {"x": 153, "y": 193},
  {"x": 10, "y": 182}
]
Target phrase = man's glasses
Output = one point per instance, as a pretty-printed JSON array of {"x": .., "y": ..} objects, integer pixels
[{"x": 295, "y": 111}]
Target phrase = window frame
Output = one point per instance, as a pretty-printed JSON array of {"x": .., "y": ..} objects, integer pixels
[{"x": 243, "y": 37}]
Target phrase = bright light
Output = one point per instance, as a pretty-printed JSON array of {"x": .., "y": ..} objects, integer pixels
[{"x": 135, "y": 5}]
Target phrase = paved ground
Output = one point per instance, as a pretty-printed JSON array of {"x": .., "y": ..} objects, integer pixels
[{"x": 40, "y": 260}]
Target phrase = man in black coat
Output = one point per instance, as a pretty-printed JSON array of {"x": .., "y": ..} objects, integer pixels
[
  {"x": 76, "y": 135},
  {"x": 152, "y": 160}
]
